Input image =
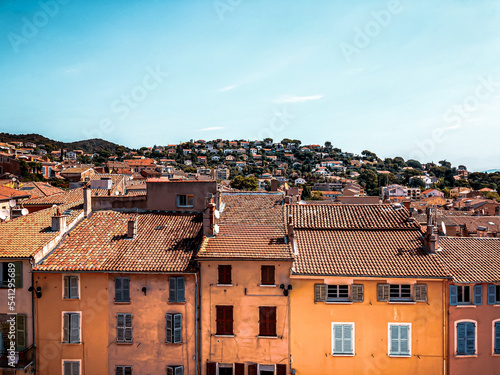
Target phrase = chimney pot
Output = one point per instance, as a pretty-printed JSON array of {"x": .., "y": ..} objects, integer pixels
[
  {"x": 87, "y": 202},
  {"x": 59, "y": 223},
  {"x": 132, "y": 228}
]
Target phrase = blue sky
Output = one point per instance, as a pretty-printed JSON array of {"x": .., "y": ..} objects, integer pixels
[{"x": 417, "y": 79}]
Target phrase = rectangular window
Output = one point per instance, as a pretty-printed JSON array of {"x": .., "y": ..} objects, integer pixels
[
  {"x": 466, "y": 338},
  {"x": 176, "y": 289},
  {"x": 342, "y": 338},
  {"x": 123, "y": 370},
  {"x": 175, "y": 370},
  {"x": 124, "y": 328},
  {"x": 399, "y": 292},
  {"x": 337, "y": 293},
  {"x": 71, "y": 328},
  {"x": 71, "y": 368},
  {"x": 399, "y": 340},
  {"x": 174, "y": 328},
  {"x": 267, "y": 275},
  {"x": 11, "y": 275},
  {"x": 224, "y": 320},
  {"x": 493, "y": 294},
  {"x": 224, "y": 275},
  {"x": 185, "y": 200},
  {"x": 20, "y": 332},
  {"x": 71, "y": 287},
  {"x": 463, "y": 294},
  {"x": 122, "y": 289},
  {"x": 267, "y": 321},
  {"x": 496, "y": 334}
]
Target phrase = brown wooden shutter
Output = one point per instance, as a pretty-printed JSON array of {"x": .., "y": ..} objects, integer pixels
[
  {"x": 281, "y": 369},
  {"x": 219, "y": 320},
  {"x": 420, "y": 292},
  {"x": 229, "y": 320},
  {"x": 212, "y": 368},
  {"x": 383, "y": 292},
  {"x": 319, "y": 293},
  {"x": 357, "y": 293},
  {"x": 252, "y": 369},
  {"x": 239, "y": 369},
  {"x": 272, "y": 321}
]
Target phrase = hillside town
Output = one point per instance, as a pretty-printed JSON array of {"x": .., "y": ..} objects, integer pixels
[{"x": 236, "y": 257}]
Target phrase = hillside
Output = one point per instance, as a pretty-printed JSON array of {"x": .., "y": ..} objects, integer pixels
[{"x": 88, "y": 145}]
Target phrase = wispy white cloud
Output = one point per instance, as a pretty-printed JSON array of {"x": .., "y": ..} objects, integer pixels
[
  {"x": 297, "y": 99},
  {"x": 227, "y": 88},
  {"x": 212, "y": 128}
]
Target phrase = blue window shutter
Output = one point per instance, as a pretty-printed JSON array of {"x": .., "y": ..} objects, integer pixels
[
  {"x": 337, "y": 339},
  {"x": 497, "y": 338},
  {"x": 471, "y": 338},
  {"x": 394, "y": 340},
  {"x": 177, "y": 328},
  {"x": 403, "y": 340},
  {"x": 170, "y": 329},
  {"x": 461, "y": 338},
  {"x": 180, "y": 289},
  {"x": 348, "y": 338},
  {"x": 491, "y": 294},
  {"x": 118, "y": 289},
  {"x": 126, "y": 289},
  {"x": 453, "y": 295},
  {"x": 478, "y": 294},
  {"x": 172, "y": 297}
]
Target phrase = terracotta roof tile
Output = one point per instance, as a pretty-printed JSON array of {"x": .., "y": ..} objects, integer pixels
[
  {"x": 40, "y": 189},
  {"x": 251, "y": 226},
  {"x": 386, "y": 253},
  {"x": 349, "y": 216},
  {"x": 165, "y": 242},
  {"x": 7, "y": 193},
  {"x": 26, "y": 235},
  {"x": 360, "y": 240},
  {"x": 470, "y": 259}
]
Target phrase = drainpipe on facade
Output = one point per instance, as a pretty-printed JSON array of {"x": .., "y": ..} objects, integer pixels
[
  {"x": 33, "y": 317},
  {"x": 196, "y": 302}
]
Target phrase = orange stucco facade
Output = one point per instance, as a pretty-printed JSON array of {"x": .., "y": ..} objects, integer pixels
[
  {"x": 91, "y": 352},
  {"x": 311, "y": 329},
  {"x": 484, "y": 316},
  {"x": 149, "y": 353},
  {"x": 246, "y": 294}
]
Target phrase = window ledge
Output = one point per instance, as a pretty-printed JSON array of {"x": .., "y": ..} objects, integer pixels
[
  {"x": 339, "y": 302},
  {"x": 342, "y": 354},
  {"x": 400, "y": 355},
  {"x": 267, "y": 337},
  {"x": 216, "y": 335},
  {"x": 404, "y": 302},
  {"x": 465, "y": 355},
  {"x": 122, "y": 303},
  {"x": 173, "y": 343},
  {"x": 71, "y": 343},
  {"x": 268, "y": 286},
  {"x": 466, "y": 306},
  {"x": 225, "y": 285},
  {"x": 176, "y": 303},
  {"x": 71, "y": 299},
  {"x": 124, "y": 342}
]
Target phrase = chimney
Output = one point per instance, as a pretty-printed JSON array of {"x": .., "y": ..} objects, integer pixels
[
  {"x": 431, "y": 239},
  {"x": 87, "y": 202},
  {"x": 132, "y": 228},
  {"x": 274, "y": 185},
  {"x": 209, "y": 220},
  {"x": 59, "y": 223},
  {"x": 290, "y": 229}
]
